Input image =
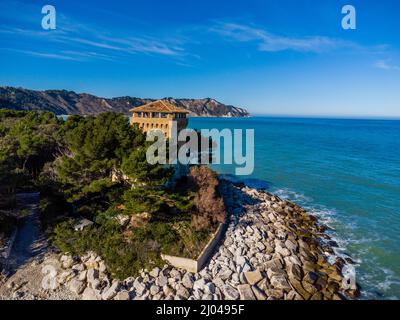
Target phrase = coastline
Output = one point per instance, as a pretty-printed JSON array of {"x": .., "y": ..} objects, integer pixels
[{"x": 272, "y": 250}]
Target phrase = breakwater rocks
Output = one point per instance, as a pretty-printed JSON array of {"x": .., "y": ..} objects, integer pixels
[{"x": 273, "y": 249}]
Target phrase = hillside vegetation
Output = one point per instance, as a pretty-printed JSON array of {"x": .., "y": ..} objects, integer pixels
[{"x": 78, "y": 165}]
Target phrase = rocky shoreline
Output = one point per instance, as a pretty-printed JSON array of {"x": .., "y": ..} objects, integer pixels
[{"x": 272, "y": 250}]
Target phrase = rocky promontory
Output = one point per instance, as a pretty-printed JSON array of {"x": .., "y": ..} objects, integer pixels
[{"x": 272, "y": 250}]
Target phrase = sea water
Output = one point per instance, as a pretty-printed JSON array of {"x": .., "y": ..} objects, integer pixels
[{"x": 347, "y": 172}]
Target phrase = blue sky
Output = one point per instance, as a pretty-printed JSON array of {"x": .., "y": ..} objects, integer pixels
[{"x": 286, "y": 57}]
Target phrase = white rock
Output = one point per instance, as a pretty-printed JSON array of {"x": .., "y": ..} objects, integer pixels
[
  {"x": 260, "y": 246},
  {"x": 230, "y": 292},
  {"x": 76, "y": 286},
  {"x": 92, "y": 275},
  {"x": 245, "y": 292},
  {"x": 102, "y": 267},
  {"x": 246, "y": 267},
  {"x": 182, "y": 292},
  {"x": 89, "y": 294},
  {"x": 161, "y": 280},
  {"x": 199, "y": 284},
  {"x": 111, "y": 292},
  {"x": 155, "y": 272},
  {"x": 187, "y": 281},
  {"x": 122, "y": 295},
  {"x": 139, "y": 287},
  {"x": 218, "y": 282},
  {"x": 154, "y": 289},
  {"x": 67, "y": 262},
  {"x": 241, "y": 260},
  {"x": 225, "y": 274},
  {"x": 167, "y": 290},
  {"x": 82, "y": 275}
]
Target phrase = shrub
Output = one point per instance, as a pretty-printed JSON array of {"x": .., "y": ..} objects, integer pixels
[
  {"x": 123, "y": 258},
  {"x": 210, "y": 205}
]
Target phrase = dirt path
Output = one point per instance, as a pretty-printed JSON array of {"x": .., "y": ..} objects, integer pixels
[
  {"x": 29, "y": 243},
  {"x": 30, "y": 253}
]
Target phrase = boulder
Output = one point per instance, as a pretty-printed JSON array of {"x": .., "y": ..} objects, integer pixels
[
  {"x": 122, "y": 295},
  {"x": 82, "y": 275},
  {"x": 291, "y": 245},
  {"x": 225, "y": 274},
  {"x": 275, "y": 272},
  {"x": 274, "y": 294},
  {"x": 245, "y": 292},
  {"x": 155, "y": 272},
  {"x": 282, "y": 251},
  {"x": 274, "y": 263},
  {"x": 161, "y": 280},
  {"x": 174, "y": 273},
  {"x": 235, "y": 279},
  {"x": 76, "y": 286},
  {"x": 219, "y": 282},
  {"x": 230, "y": 292},
  {"x": 209, "y": 288},
  {"x": 167, "y": 290},
  {"x": 154, "y": 289},
  {"x": 92, "y": 275},
  {"x": 67, "y": 261},
  {"x": 297, "y": 286},
  {"x": 182, "y": 292},
  {"x": 260, "y": 246},
  {"x": 188, "y": 281},
  {"x": 253, "y": 277},
  {"x": 294, "y": 271},
  {"x": 280, "y": 282},
  {"x": 199, "y": 284},
  {"x": 139, "y": 287},
  {"x": 293, "y": 295},
  {"x": 89, "y": 294},
  {"x": 258, "y": 293},
  {"x": 112, "y": 291},
  {"x": 102, "y": 267},
  {"x": 96, "y": 284},
  {"x": 78, "y": 267},
  {"x": 241, "y": 260},
  {"x": 66, "y": 276}
]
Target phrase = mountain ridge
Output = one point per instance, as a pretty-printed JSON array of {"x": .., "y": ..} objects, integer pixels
[{"x": 69, "y": 102}]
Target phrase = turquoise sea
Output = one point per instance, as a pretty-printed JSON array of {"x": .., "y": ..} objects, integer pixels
[{"x": 347, "y": 172}]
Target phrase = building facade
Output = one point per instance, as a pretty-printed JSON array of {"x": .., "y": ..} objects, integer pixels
[{"x": 159, "y": 115}]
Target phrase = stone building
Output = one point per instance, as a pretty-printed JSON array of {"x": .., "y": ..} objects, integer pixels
[{"x": 159, "y": 115}]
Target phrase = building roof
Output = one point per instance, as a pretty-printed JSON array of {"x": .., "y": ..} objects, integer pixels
[{"x": 159, "y": 106}]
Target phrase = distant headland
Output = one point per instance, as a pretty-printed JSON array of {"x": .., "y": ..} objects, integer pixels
[{"x": 69, "y": 102}]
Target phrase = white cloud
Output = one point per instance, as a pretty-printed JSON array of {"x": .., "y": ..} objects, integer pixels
[
  {"x": 76, "y": 36},
  {"x": 386, "y": 65},
  {"x": 271, "y": 42},
  {"x": 62, "y": 55},
  {"x": 59, "y": 56}
]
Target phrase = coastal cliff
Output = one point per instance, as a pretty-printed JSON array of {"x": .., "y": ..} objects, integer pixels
[{"x": 63, "y": 102}]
